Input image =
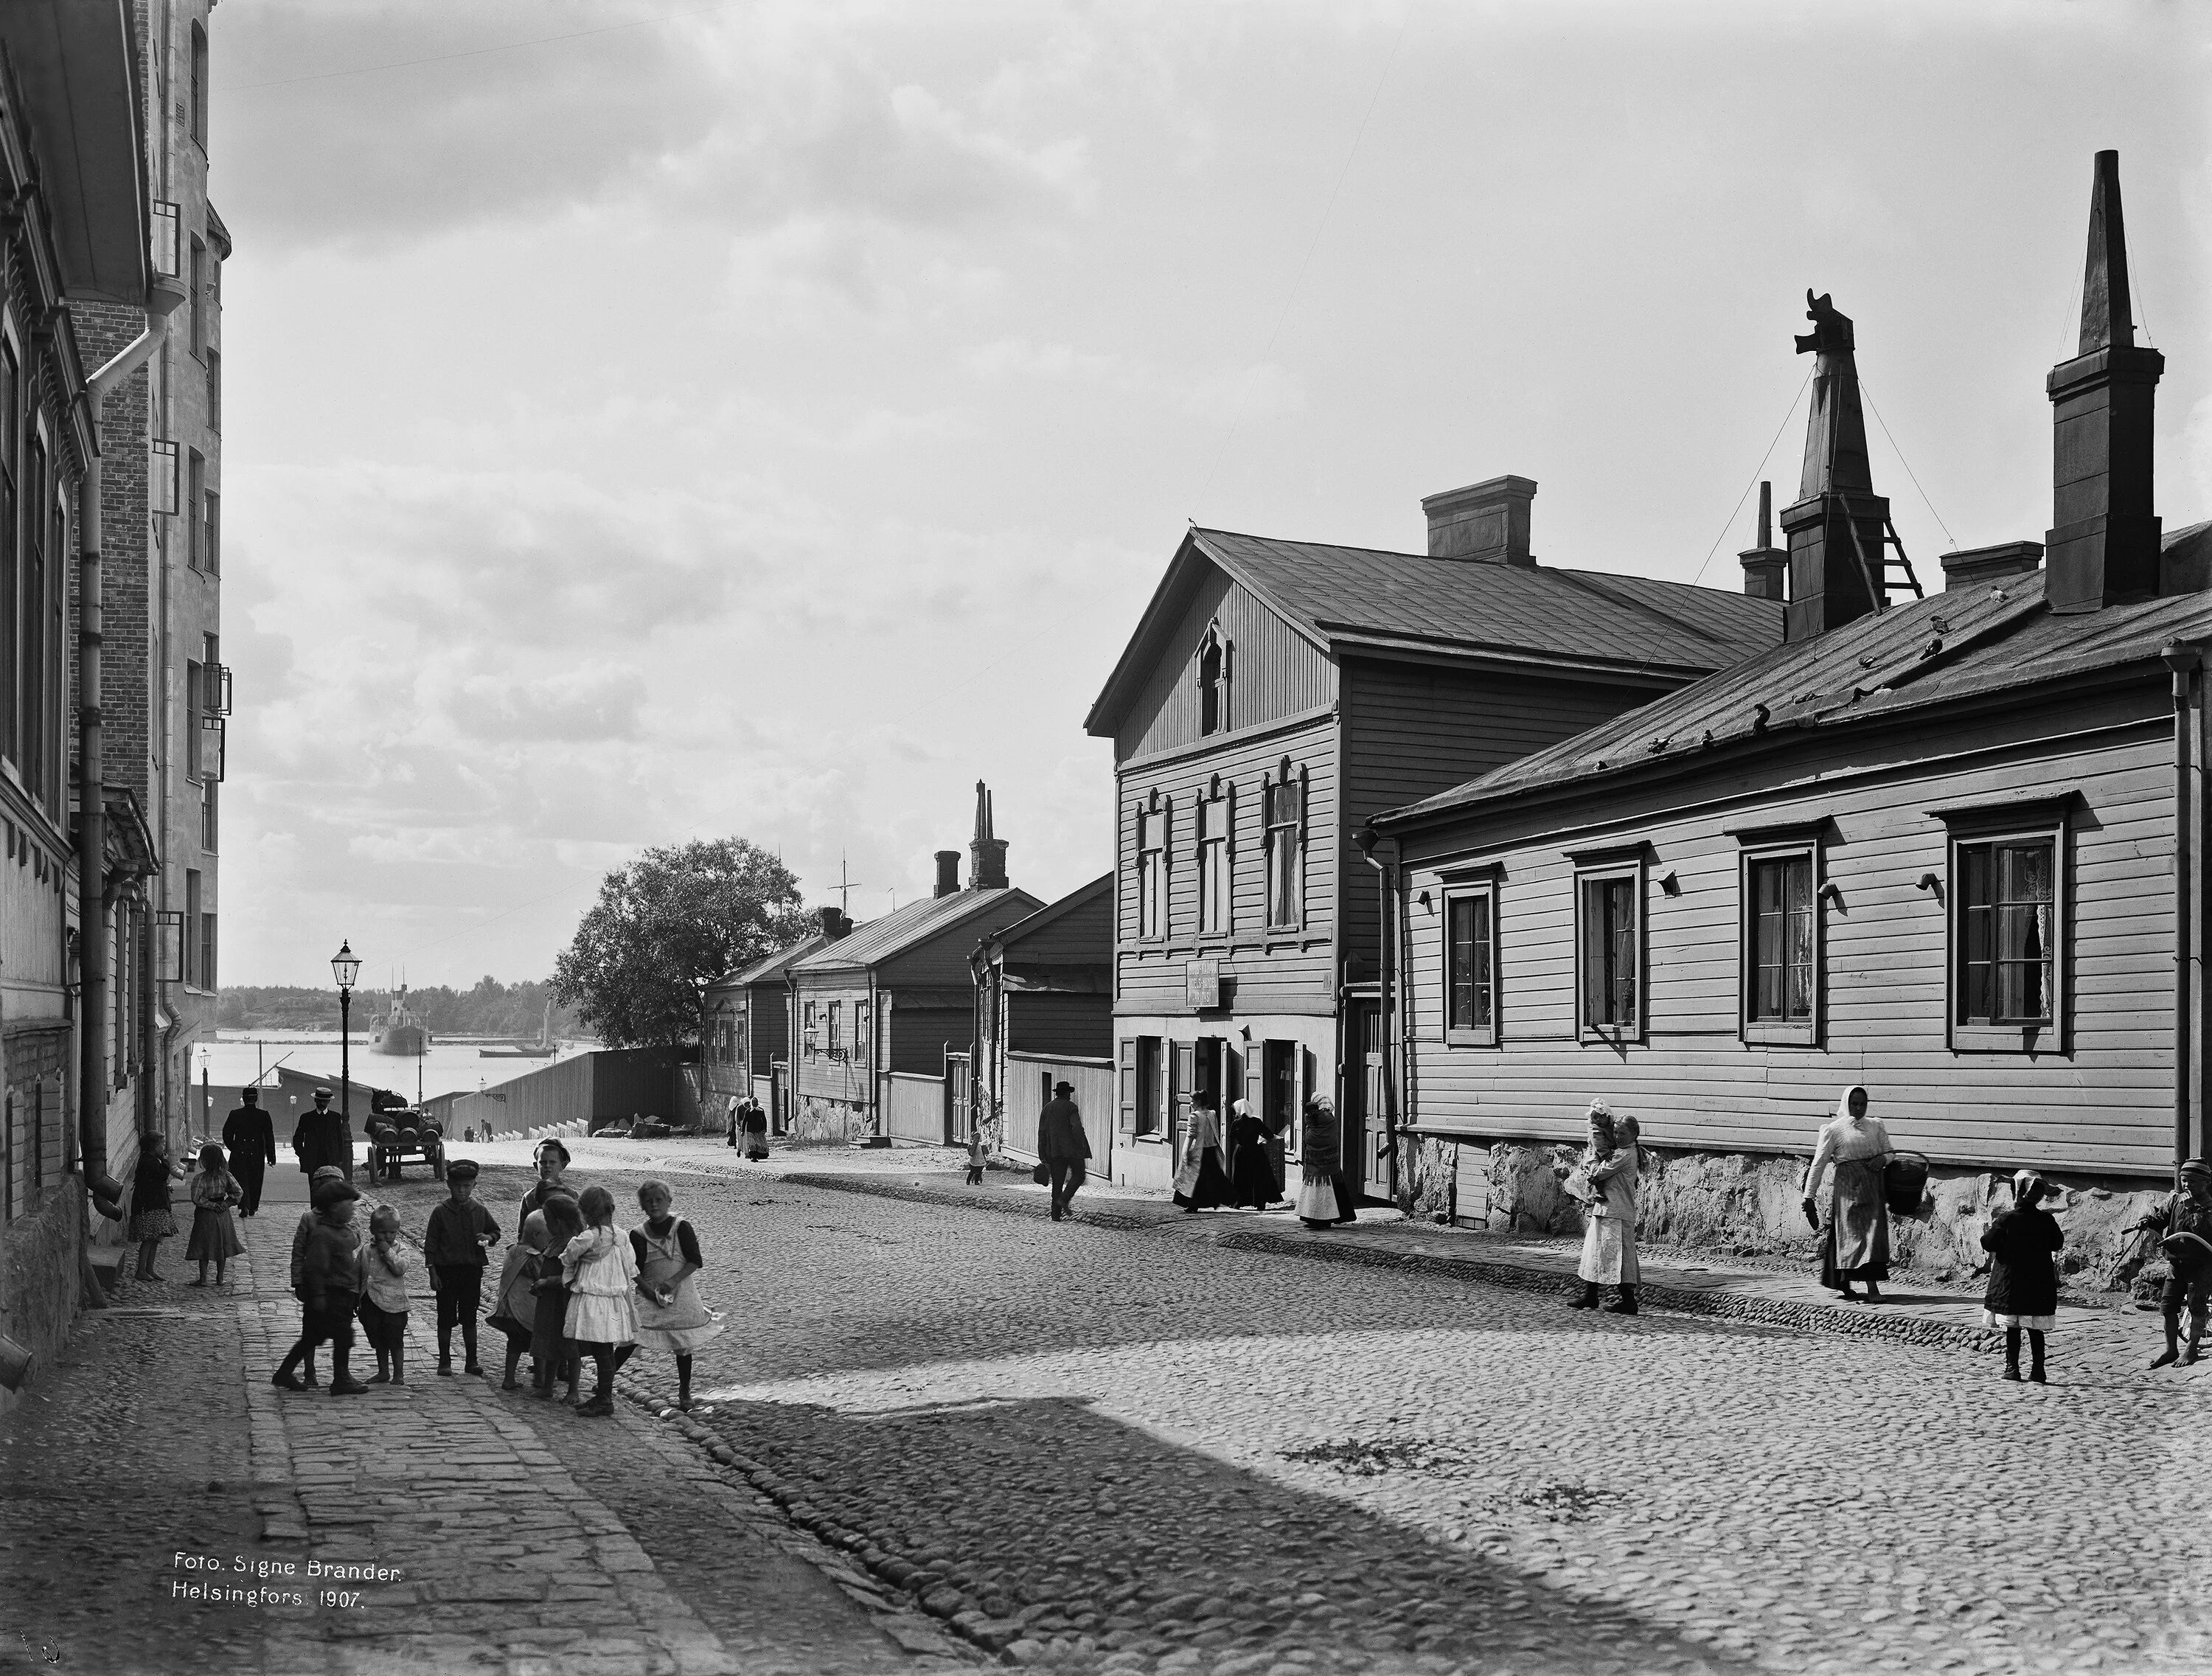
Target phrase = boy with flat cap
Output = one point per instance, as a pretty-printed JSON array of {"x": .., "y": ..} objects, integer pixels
[
  {"x": 2184, "y": 1225},
  {"x": 453, "y": 1251},
  {"x": 301, "y": 1356},
  {"x": 331, "y": 1280}
]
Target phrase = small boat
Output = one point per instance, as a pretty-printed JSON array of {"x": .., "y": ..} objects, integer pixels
[
  {"x": 399, "y": 1032},
  {"x": 544, "y": 1050}
]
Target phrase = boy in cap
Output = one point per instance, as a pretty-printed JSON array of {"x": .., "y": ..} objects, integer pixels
[
  {"x": 453, "y": 1252},
  {"x": 330, "y": 1277},
  {"x": 301, "y": 1356},
  {"x": 2184, "y": 1225}
]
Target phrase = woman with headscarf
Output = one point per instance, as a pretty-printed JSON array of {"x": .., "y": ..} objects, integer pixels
[
  {"x": 1324, "y": 1193},
  {"x": 1251, "y": 1177},
  {"x": 1201, "y": 1180},
  {"x": 1855, "y": 1243}
]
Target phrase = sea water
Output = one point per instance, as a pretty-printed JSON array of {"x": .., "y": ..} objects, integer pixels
[{"x": 235, "y": 1058}]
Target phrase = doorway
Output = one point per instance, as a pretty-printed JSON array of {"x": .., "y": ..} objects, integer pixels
[{"x": 1367, "y": 1141}]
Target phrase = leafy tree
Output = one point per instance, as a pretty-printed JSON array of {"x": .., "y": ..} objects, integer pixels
[{"x": 667, "y": 925}]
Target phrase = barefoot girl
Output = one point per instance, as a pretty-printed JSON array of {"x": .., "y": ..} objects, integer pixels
[{"x": 669, "y": 1315}]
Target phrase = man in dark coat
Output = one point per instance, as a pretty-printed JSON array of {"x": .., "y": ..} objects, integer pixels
[
  {"x": 323, "y": 1137},
  {"x": 252, "y": 1139},
  {"x": 1062, "y": 1147}
]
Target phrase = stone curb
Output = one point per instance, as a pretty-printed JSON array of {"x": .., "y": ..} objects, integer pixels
[
  {"x": 953, "y": 1613},
  {"x": 1714, "y": 1303}
]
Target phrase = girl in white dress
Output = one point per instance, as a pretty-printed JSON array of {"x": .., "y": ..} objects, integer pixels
[
  {"x": 671, "y": 1315},
  {"x": 602, "y": 1275}
]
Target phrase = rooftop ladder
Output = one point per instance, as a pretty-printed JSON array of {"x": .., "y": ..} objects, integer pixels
[{"x": 1900, "y": 562}]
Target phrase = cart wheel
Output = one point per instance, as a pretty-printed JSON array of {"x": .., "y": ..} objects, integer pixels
[{"x": 438, "y": 1166}]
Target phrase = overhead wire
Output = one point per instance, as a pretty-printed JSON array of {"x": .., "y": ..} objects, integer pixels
[{"x": 1754, "y": 484}]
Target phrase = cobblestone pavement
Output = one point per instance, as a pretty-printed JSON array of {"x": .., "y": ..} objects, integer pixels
[
  {"x": 515, "y": 1535},
  {"x": 1117, "y": 1447}
]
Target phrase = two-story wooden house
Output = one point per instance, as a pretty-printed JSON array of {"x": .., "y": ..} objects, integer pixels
[
  {"x": 1952, "y": 850},
  {"x": 1276, "y": 694},
  {"x": 883, "y": 1019},
  {"x": 1044, "y": 1015},
  {"x": 747, "y": 1050}
]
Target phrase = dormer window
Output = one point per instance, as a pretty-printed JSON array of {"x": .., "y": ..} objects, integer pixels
[{"x": 1212, "y": 683}]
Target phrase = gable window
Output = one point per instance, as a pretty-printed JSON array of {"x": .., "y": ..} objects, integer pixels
[
  {"x": 1285, "y": 803},
  {"x": 1609, "y": 948},
  {"x": 1471, "y": 967},
  {"x": 1214, "y": 885},
  {"x": 1779, "y": 962},
  {"x": 1212, "y": 683},
  {"x": 1152, "y": 873}
]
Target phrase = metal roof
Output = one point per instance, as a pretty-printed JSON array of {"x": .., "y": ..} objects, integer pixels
[
  {"x": 761, "y": 970},
  {"x": 1927, "y": 652},
  {"x": 1365, "y": 601},
  {"x": 917, "y": 923}
]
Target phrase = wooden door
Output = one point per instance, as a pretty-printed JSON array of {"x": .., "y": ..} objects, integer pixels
[
  {"x": 1366, "y": 1143},
  {"x": 959, "y": 1098},
  {"x": 1182, "y": 1075}
]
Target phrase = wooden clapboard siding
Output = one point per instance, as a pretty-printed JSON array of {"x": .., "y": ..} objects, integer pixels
[
  {"x": 1039, "y": 1023},
  {"x": 815, "y": 1075},
  {"x": 1275, "y": 671},
  {"x": 1273, "y": 969},
  {"x": 922, "y": 1028},
  {"x": 1411, "y": 731},
  {"x": 768, "y": 1025},
  {"x": 2103, "y": 1104}
]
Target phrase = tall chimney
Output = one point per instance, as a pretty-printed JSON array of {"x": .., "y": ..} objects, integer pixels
[
  {"x": 833, "y": 922},
  {"x": 948, "y": 873},
  {"x": 986, "y": 855},
  {"x": 1487, "y": 521},
  {"x": 2103, "y": 545},
  {"x": 1835, "y": 528},
  {"x": 1765, "y": 567}
]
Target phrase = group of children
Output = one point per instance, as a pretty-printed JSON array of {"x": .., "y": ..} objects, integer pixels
[
  {"x": 214, "y": 1238},
  {"x": 574, "y": 1287}
]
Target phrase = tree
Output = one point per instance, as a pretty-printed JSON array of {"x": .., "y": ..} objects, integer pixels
[{"x": 667, "y": 925}]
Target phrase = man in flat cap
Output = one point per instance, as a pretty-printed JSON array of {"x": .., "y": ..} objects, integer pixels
[{"x": 323, "y": 1137}]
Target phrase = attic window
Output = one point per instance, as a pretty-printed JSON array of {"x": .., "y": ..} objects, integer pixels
[{"x": 1213, "y": 681}]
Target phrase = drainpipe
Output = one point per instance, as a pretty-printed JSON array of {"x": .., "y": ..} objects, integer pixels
[
  {"x": 92, "y": 819},
  {"x": 2184, "y": 662},
  {"x": 1367, "y": 838}
]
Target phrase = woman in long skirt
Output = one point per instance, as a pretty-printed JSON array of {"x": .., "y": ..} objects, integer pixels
[
  {"x": 1324, "y": 1192},
  {"x": 1202, "y": 1182},
  {"x": 1612, "y": 1168},
  {"x": 1855, "y": 1243},
  {"x": 1251, "y": 1177}
]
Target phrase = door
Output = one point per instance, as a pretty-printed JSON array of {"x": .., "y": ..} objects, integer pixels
[
  {"x": 779, "y": 1097},
  {"x": 958, "y": 1099},
  {"x": 1367, "y": 1140}
]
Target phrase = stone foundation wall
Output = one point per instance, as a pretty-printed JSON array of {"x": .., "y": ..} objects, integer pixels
[
  {"x": 829, "y": 1120},
  {"x": 39, "y": 1277},
  {"x": 1736, "y": 1203}
]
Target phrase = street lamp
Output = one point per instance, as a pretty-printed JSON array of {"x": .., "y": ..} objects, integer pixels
[{"x": 345, "y": 967}]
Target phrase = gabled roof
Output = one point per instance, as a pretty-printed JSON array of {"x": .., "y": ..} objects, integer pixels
[
  {"x": 1941, "y": 650},
  {"x": 914, "y": 924},
  {"x": 1364, "y": 601},
  {"x": 761, "y": 971},
  {"x": 1082, "y": 896}
]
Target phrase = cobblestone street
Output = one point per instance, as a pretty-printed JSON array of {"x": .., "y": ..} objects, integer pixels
[{"x": 937, "y": 1436}]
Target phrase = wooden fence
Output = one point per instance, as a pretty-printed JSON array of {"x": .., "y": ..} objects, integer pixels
[
  {"x": 1029, "y": 1079},
  {"x": 914, "y": 1107}
]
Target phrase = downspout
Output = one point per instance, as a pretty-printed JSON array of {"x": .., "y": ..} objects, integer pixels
[
  {"x": 92, "y": 815},
  {"x": 2184, "y": 662},
  {"x": 1367, "y": 838}
]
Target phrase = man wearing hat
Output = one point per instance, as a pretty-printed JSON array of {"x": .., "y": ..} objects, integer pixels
[
  {"x": 252, "y": 1139},
  {"x": 2183, "y": 1224},
  {"x": 323, "y": 1138},
  {"x": 1062, "y": 1147}
]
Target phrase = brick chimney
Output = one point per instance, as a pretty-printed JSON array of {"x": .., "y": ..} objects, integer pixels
[
  {"x": 833, "y": 923},
  {"x": 948, "y": 873},
  {"x": 1487, "y": 522},
  {"x": 1836, "y": 526},
  {"x": 1766, "y": 567},
  {"x": 986, "y": 855},
  {"x": 2104, "y": 539},
  {"x": 1982, "y": 566}
]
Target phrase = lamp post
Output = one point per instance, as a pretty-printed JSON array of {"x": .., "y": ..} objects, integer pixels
[{"x": 345, "y": 967}]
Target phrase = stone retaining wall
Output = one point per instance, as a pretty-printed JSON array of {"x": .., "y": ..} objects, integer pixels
[
  {"x": 829, "y": 1120},
  {"x": 1746, "y": 1205},
  {"x": 39, "y": 1271}
]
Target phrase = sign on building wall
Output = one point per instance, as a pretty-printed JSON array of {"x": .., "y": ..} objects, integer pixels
[{"x": 1201, "y": 984}]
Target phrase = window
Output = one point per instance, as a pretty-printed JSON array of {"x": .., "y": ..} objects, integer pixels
[
  {"x": 1781, "y": 973},
  {"x": 214, "y": 390},
  {"x": 2007, "y": 948},
  {"x": 206, "y": 952},
  {"x": 207, "y": 792},
  {"x": 194, "y": 490},
  {"x": 861, "y": 1034},
  {"x": 836, "y": 1029},
  {"x": 1609, "y": 940},
  {"x": 1285, "y": 807},
  {"x": 807, "y": 1034},
  {"x": 195, "y": 686},
  {"x": 191, "y": 929},
  {"x": 199, "y": 86},
  {"x": 10, "y": 576},
  {"x": 1214, "y": 898},
  {"x": 1152, "y": 873},
  {"x": 1149, "y": 1059},
  {"x": 1470, "y": 968},
  {"x": 211, "y": 536},
  {"x": 30, "y": 643},
  {"x": 1213, "y": 685},
  {"x": 198, "y": 343}
]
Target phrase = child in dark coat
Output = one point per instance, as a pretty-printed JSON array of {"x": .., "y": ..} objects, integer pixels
[
  {"x": 453, "y": 1252},
  {"x": 331, "y": 1280},
  {"x": 2023, "y": 1290},
  {"x": 301, "y": 1356}
]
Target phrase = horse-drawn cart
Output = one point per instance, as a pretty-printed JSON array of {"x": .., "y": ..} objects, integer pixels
[{"x": 399, "y": 1133}]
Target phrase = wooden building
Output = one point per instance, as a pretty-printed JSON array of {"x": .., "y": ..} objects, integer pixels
[
  {"x": 1044, "y": 1014},
  {"x": 1951, "y": 849},
  {"x": 747, "y": 1048},
  {"x": 882, "y": 1019},
  {"x": 1276, "y": 693}
]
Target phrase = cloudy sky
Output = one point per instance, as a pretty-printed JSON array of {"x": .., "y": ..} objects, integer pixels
[{"x": 653, "y": 418}]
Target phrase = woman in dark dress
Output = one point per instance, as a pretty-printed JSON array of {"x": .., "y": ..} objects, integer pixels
[
  {"x": 1202, "y": 1182},
  {"x": 1324, "y": 1193},
  {"x": 1251, "y": 1177}
]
